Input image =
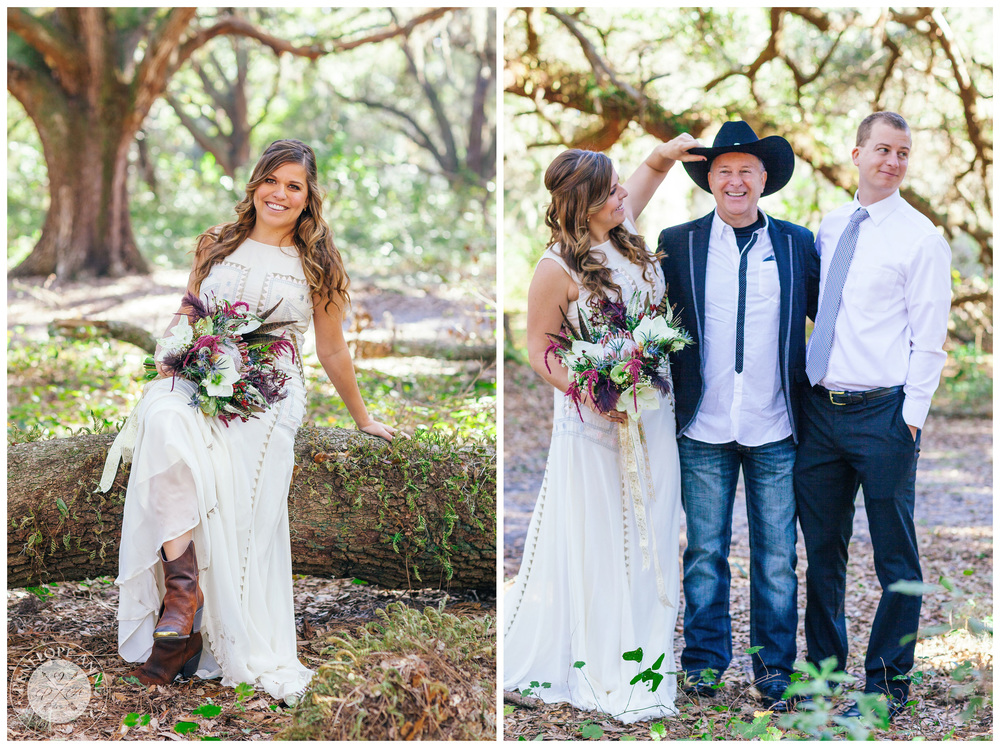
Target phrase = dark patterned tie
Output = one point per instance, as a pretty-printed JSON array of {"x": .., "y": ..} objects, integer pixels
[
  {"x": 821, "y": 341},
  {"x": 741, "y": 304}
]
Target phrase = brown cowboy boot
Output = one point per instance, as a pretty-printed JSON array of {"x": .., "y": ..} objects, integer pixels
[
  {"x": 170, "y": 657},
  {"x": 180, "y": 613}
]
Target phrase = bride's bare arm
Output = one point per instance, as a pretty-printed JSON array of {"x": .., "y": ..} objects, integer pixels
[
  {"x": 549, "y": 295},
  {"x": 333, "y": 354},
  {"x": 550, "y": 291}
]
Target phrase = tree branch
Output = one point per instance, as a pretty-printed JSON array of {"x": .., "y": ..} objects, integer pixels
[
  {"x": 941, "y": 33},
  {"x": 59, "y": 50},
  {"x": 601, "y": 69},
  {"x": 159, "y": 61}
]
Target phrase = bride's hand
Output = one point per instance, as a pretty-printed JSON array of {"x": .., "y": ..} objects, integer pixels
[
  {"x": 613, "y": 416},
  {"x": 678, "y": 148},
  {"x": 378, "y": 429}
]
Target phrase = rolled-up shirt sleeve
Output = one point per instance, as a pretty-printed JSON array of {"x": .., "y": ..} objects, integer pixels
[{"x": 928, "y": 303}]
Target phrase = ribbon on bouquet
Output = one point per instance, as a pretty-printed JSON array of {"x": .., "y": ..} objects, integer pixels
[{"x": 633, "y": 453}]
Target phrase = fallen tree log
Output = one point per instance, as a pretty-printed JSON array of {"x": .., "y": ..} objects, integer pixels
[{"x": 415, "y": 513}]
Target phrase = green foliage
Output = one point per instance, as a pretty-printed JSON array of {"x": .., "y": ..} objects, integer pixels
[
  {"x": 207, "y": 710},
  {"x": 133, "y": 719},
  {"x": 967, "y": 386},
  {"x": 58, "y": 387},
  {"x": 759, "y": 729},
  {"x": 391, "y": 207},
  {"x": 456, "y": 405},
  {"x": 42, "y": 591},
  {"x": 534, "y": 686},
  {"x": 590, "y": 731}
]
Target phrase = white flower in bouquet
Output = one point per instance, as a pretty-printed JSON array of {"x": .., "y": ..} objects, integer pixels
[
  {"x": 638, "y": 398},
  {"x": 248, "y": 325},
  {"x": 582, "y": 349},
  {"x": 654, "y": 330},
  {"x": 222, "y": 377},
  {"x": 180, "y": 337}
]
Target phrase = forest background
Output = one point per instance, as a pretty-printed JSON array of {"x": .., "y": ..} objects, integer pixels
[
  {"x": 620, "y": 80},
  {"x": 129, "y": 132}
]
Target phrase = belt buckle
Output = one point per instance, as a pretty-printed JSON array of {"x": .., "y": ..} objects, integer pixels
[{"x": 831, "y": 393}]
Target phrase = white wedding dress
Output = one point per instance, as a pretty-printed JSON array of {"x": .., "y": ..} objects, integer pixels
[
  {"x": 230, "y": 485},
  {"x": 581, "y": 594}
]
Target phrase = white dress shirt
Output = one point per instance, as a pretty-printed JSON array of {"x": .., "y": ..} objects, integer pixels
[
  {"x": 747, "y": 407},
  {"x": 894, "y": 310}
]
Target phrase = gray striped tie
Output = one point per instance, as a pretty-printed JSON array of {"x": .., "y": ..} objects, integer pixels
[{"x": 821, "y": 341}]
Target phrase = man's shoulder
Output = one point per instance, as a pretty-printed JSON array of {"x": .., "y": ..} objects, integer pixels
[
  {"x": 675, "y": 236},
  {"x": 788, "y": 227},
  {"x": 839, "y": 213},
  {"x": 915, "y": 218},
  {"x": 674, "y": 233}
]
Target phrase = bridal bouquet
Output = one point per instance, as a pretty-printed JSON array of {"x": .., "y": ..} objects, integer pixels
[
  {"x": 229, "y": 355},
  {"x": 618, "y": 353}
]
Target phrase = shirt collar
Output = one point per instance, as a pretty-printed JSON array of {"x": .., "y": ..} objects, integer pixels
[
  {"x": 881, "y": 210},
  {"x": 719, "y": 226}
]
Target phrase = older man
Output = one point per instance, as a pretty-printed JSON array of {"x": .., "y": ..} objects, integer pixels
[
  {"x": 874, "y": 359},
  {"x": 741, "y": 281}
]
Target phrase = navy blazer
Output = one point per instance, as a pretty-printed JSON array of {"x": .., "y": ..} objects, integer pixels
[{"x": 684, "y": 265}]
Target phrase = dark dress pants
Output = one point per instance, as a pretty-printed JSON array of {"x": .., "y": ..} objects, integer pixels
[{"x": 842, "y": 447}]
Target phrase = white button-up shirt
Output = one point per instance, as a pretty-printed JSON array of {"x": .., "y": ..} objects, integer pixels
[
  {"x": 749, "y": 407},
  {"x": 893, "y": 317}
]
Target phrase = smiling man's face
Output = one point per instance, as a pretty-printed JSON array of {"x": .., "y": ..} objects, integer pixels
[{"x": 737, "y": 181}]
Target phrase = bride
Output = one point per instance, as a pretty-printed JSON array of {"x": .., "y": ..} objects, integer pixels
[
  {"x": 205, "y": 566},
  {"x": 582, "y": 598}
]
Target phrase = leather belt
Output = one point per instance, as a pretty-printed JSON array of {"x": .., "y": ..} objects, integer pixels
[{"x": 839, "y": 397}]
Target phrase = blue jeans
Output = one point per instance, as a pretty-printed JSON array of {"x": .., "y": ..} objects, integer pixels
[{"x": 708, "y": 479}]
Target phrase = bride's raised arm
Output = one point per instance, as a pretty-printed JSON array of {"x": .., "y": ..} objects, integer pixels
[{"x": 648, "y": 177}]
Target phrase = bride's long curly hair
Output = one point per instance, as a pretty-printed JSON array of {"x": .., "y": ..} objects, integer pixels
[
  {"x": 321, "y": 261},
  {"x": 580, "y": 184}
]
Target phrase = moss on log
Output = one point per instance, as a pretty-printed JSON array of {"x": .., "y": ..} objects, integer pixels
[{"x": 415, "y": 513}]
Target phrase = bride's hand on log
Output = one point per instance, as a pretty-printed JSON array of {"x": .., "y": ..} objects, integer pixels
[{"x": 378, "y": 429}]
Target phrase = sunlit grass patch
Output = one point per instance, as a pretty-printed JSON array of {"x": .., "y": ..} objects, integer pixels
[
  {"x": 57, "y": 387},
  {"x": 460, "y": 404}
]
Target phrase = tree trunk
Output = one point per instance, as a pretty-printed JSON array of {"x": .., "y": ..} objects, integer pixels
[
  {"x": 414, "y": 513},
  {"x": 86, "y": 124}
]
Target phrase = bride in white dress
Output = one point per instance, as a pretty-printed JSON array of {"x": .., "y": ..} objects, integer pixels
[
  {"x": 582, "y": 594},
  {"x": 205, "y": 568}
]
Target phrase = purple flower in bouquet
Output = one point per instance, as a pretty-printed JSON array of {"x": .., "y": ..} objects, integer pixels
[
  {"x": 229, "y": 354},
  {"x": 618, "y": 353}
]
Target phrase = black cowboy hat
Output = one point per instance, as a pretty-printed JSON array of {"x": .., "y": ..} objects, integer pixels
[{"x": 738, "y": 137}]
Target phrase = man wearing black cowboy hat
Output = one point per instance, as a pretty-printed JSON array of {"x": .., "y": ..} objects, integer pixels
[{"x": 743, "y": 283}]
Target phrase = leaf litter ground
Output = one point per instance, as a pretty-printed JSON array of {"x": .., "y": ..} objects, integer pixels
[
  {"x": 83, "y": 614},
  {"x": 954, "y": 517}
]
